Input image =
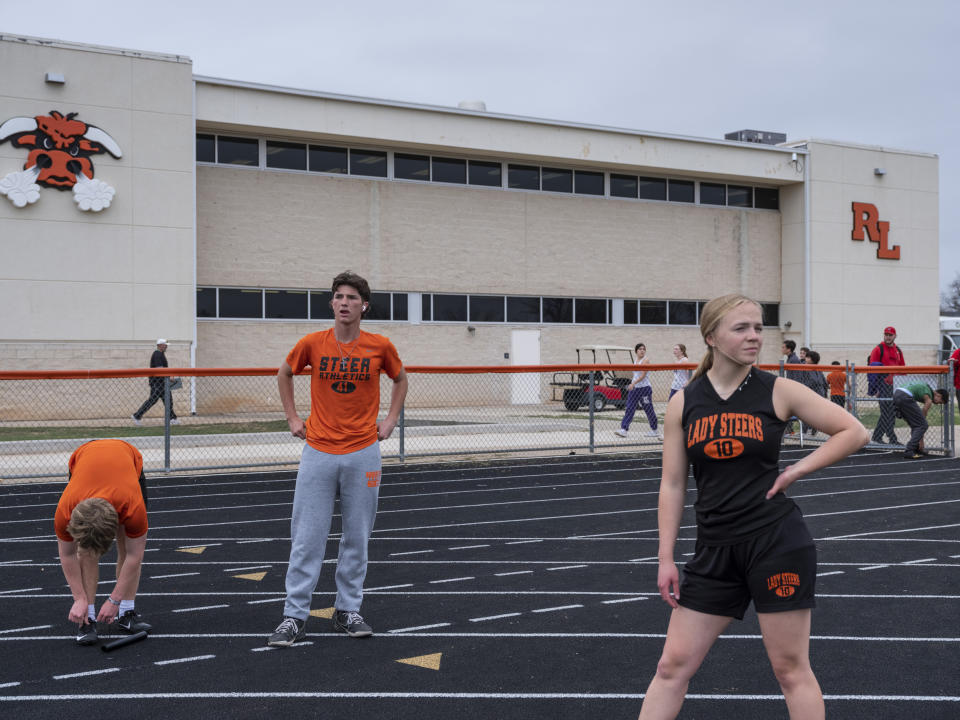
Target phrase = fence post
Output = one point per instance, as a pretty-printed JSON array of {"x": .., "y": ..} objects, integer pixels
[
  {"x": 401, "y": 434},
  {"x": 852, "y": 390},
  {"x": 949, "y": 429},
  {"x": 590, "y": 409},
  {"x": 167, "y": 407}
]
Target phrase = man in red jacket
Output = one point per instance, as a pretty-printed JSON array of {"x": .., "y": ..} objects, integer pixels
[
  {"x": 955, "y": 356},
  {"x": 886, "y": 353}
]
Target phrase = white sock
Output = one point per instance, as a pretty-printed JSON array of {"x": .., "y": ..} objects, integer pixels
[
  {"x": 91, "y": 612},
  {"x": 125, "y": 605}
]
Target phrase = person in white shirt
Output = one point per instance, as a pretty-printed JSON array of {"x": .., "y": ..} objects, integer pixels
[
  {"x": 640, "y": 393},
  {"x": 680, "y": 377}
]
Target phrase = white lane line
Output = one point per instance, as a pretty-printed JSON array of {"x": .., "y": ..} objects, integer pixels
[
  {"x": 467, "y": 547},
  {"x": 448, "y": 580},
  {"x": 5, "y": 592},
  {"x": 623, "y": 600},
  {"x": 258, "y": 540},
  {"x": 874, "y": 567},
  {"x": 183, "y": 660},
  {"x": 194, "y": 609},
  {"x": 388, "y": 587},
  {"x": 495, "y": 617},
  {"x": 914, "y": 562},
  {"x": 204, "y": 545},
  {"x": 522, "y": 542},
  {"x": 954, "y": 557},
  {"x": 164, "y": 577},
  {"x": 9, "y": 684},
  {"x": 24, "y": 629},
  {"x": 419, "y": 627},
  {"x": 643, "y": 559},
  {"x": 14, "y": 562},
  {"x": 886, "y": 532},
  {"x": 84, "y": 674},
  {"x": 559, "y": 607},
  {"x": 566, "y": 567},
  {"x": 252, "y": 567},
  {"x": 267, "y": 648},
  {"x": 259, "y": 602},
  {"x": 410, "y": 552},
  {"x": 835, "y": 572},
  {"x": 515, "y": 572}
]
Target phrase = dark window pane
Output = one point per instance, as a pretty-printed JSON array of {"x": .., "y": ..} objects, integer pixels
[
  {"x": 556, "y": 180},
  {"x": 681, "y": 191},
  {"x": 328, "y": 159},
  {"x": 629, "y": 312},
  {"x": 379, "y": 307},
  {"x": 486, "y": 308},
  {"x": 713, "y": 194},
  {"x": 425, "y": 313},
  {"x": 206, "y": 149},
  {"x": 485, "y": 173},
  {"x": 450, "y": 308},
  {"x": 557, "y": 310},
  {"x": 241, "y": 303},
  {"x": 591, "y": 311},
  {"x": 372, "y": 163},
  {"x": 739, "y": 196},
  {"x": 286, "y": 304},
  {"x": 771, "y": 314},
  {"x": 623, "y": 186},
  {"x": 450, "y": 171},
  {"x": 288, "y": 156},
  {"x": 653, "y": 312},
  {"x": 320, "y": 305},
  {"x": 400, "y": 306},
  {"x": 206, "y": 302},
  {"x": 523, "y": 309},
  {"x": 523, "y": 177},
  {"x": 238, "y": 151},
  {"x": 683, "y": 313},
  {"x": 589, "y": 183},
  {"x": 766, "y": 198},
  {"x": 411, "y": 167},
  {"x": 656, "y": 189},
  {"x": 700, "y": 309}
]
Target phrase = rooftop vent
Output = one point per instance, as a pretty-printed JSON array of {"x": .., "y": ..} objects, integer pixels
[
  {"x": 476, "y": 105},
  {"x": 763, "y": 137}
]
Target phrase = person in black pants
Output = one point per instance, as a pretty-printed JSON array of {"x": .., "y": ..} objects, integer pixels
[{"x": 158, "y": 359}]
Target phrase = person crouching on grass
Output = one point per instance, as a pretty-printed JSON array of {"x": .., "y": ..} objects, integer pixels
[
  {"x": 105, "y": 499},
  {"x": 752, "y": 542}
]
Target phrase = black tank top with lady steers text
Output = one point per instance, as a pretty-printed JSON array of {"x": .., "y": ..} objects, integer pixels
[{"x": 734, "y": 447}]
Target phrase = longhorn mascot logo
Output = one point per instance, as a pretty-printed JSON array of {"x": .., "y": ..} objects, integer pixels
[{"x": 60, "y": 151}]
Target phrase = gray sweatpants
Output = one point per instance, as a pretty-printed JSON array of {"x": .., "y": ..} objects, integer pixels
[
  {"x": 910, "y": 411},
  {"x": 321, "y": 477}
]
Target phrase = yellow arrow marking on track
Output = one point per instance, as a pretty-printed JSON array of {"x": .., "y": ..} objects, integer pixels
[
  {"x": 194, "y": 550},
  {"x": 326, "y": 613},
  {"x": 430, "y": 662},
  {"x": 253, "y": 576}
]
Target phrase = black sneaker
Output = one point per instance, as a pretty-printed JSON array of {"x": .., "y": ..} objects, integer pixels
[
  {"x": 288, "y": 632},
  {"x": 912, "y": 455},
  {"x": 87, "y": 633},
  {"x": 130, "y": 622},
  {"x": 351, "y": 623}
]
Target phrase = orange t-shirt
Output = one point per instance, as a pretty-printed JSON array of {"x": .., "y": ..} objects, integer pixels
[
  {"x": 837, "y": 380},
  {"x": 344, "y": 387},
  {"x": 108, "y": 469}
]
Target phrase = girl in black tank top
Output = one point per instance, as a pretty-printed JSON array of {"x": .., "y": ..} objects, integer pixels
[{"x": 728, "y": 423}]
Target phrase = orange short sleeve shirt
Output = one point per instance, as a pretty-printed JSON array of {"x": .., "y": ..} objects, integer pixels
[
  {"x": 108, "y": 469},
  {"x": 838, "y": 382},
  {"x": 344, "y": 387}
]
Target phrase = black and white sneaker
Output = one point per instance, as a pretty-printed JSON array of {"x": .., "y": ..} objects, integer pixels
[
  {"x": 87, "y": 633},
  {"x": 351, "y": 623},
  {"x": 131, "y": 622},
  {"x": 288, "y": 632}
]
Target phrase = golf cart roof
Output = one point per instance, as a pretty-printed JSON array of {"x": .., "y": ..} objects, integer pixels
[{"x": 604, "y": 347}]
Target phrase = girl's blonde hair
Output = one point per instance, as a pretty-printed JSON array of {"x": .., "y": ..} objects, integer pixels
[{"x": 710, "y": 316}]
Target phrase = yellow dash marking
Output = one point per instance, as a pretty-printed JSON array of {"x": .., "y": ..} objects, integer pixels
[
  {"x": 430, "y": 662},
  {"x": 324, "y": 613},
  {"x": 253, "y": 576},
  {"x": 194, "y": 550}
]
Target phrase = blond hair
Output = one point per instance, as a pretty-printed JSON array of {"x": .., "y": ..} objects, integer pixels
[
  {"x": 93, "y": 524},
  {"x": 710, "y": 316}
]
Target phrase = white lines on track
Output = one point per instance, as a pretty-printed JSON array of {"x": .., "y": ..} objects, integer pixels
[
  {"x": 522, "y": 542},
  {"x": 258, "y": 540},
  {"x": 495, "y": 617},
  {"x": 251, "y": 567},
  {"x": 450, "y": 580},
  {"x": 388, "y": 587},
  {"x": 4, "y": 592},
  {"x": 860, "y": 536},
  {"x": 419, "y": 627},
  {"x": 622, "y": 600},
  {"x": 467, "y": 547},
  {"x": 85, "y": 674},
  {"x": 24, "y": 629},
  {"x": 268, "y": 648},
  {"x": 9, "y": 684},
  {"x": 195, "y": 609},
  {"x": 183, "y": 660},
  {"x": 515, "y": 572},
  {"x": 558, "y": 607},
  {"x": 164, "y": 577},
  {"x": 643, "y": 559},
  {"x": 835, "y": 572},
  {"x": 566, "y": 567},
  {"x": 410, "y": 552},
  {"x": 268, "y": 600},
  {"x": 914, "y": 562}
]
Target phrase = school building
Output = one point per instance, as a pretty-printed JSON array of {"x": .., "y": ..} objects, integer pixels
[{"x": 138, "y": 200}]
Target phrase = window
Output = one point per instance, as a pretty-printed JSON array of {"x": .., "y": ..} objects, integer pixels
[
  {"x": 557, "y": 310},
  {"x": 556, "y": 180},
  {"x": 766, "y": 198},
  {"x": 523, "y": 177},
  {"x": 681, "y": 191},
  {"x": 288, "y": 156},
  {"x": 485, "y": 173},
  {"x": 372, "y": 163},
  {"x": 451, "y": 171},
  {"x": 236, "y": 303},
  {"x": 653, "y": 312},
  {"x": 739, "y": 196},
  {"x": 629, "y": 312},
  {"x": 486, "y": 308},
  {"x": 683, "y": 313},
  {"x": 286, "y": 304},
  {"x": 523, "y": 309},
  {"x": 589, "y": 183},
  {"x": 449, "y": 308},
  {"x": 206, "y": 148},
  {"x": 591, "y": 311},
  {"x": 328, "y": 159},
  {"x": 771, "y": 314},
  {"x": 713, "y": 194},
  {"x": 379, "y": 306},
  {"x": 426, "y": 307},
  {"x": 206, "y": 302},
  {"x": 238, "y": 151},
  {"x": 653, "y": 189},
  {"x": 411, "y": 167},
  {"x": 623, "y": 186},
  {"x": 400, "y": 306},
  {"x": 320, "y": 305}
]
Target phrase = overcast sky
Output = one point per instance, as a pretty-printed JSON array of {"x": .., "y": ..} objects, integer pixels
[{"x": 882, "y": 72}]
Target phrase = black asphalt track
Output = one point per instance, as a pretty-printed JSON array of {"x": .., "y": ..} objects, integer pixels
[{"x": 509, "y": 589}]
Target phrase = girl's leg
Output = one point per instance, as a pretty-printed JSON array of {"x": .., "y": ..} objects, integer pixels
[
  {"x": 786, "y": 636},
  {"x": 646, "y": 398},
  {"x": 633, "y": 397},
  {"x": 690, "y": 635}
]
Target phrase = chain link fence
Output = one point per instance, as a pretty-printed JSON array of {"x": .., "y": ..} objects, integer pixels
[{"x": 231, "y": 419}]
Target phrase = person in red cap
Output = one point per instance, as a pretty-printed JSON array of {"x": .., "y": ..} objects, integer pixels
[
  {"x": 955, "y": 357},
  {"x": 886, "y": 353}
]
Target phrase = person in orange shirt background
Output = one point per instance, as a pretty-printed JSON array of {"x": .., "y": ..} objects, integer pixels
[
  {"x": 105, "y": 498},
  {"x": 837, "y": 380},
  {"x": 341, "y": 456}
]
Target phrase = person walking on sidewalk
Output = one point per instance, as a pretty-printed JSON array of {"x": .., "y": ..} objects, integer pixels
[
  {"x": 907, "y": 401},
  {"x": 341, "y": 456},
  {"x": 639, "y": 392},
  {"x": 157, "y": 359}
]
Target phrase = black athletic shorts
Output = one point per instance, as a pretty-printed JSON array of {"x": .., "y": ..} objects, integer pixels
[{"x": 777, "y": 570}]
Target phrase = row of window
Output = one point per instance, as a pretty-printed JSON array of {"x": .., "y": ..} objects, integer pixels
[
  {"x": 258, "y": 303},
  {"x": 227, "y": 150}
]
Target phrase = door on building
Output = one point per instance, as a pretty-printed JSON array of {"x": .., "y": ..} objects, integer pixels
[{"x": 525, "y": 350}]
